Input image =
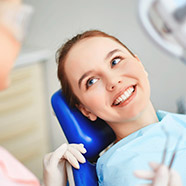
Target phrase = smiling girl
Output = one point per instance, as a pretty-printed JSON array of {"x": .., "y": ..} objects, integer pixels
[{"x": 103, "y": 78}]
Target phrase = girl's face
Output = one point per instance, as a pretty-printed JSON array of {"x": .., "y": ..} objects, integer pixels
[{"x": 107, "y": 79}]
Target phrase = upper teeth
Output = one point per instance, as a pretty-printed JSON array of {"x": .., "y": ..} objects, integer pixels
[{"x": 124, "y": 96}]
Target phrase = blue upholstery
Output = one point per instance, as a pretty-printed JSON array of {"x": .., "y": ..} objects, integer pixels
[{"x": 95, "y": 136}]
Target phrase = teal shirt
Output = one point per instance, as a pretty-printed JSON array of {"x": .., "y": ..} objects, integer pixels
[{"x": 116, "y": 166}]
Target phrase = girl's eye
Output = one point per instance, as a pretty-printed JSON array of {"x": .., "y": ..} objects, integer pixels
[
  {"x": 90, "y": 82},
  {"x": 115, "y": 61}
]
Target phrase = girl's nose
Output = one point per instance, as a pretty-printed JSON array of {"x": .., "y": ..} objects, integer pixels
[{"x": 112, "y": 84}]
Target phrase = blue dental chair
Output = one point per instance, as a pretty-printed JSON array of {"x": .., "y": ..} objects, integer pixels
[{"x": 95, "y": 136}]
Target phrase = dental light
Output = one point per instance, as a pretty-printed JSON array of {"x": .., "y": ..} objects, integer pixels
[{"x": 165, "y": 22}]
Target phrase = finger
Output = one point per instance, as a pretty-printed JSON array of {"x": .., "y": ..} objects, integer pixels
[
  {"x": 155, "y": 166},
  {"x": 162, "y": 176},
  {"x": 80, "y": 147},
  {"x": 71, "y": 159},
  {"x": 76, "y": 154},
  {"x": 175, "y": 178},
  {"x": 148, "y": 175}
]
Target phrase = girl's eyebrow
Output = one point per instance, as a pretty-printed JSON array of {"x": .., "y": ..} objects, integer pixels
[
  {"x": 83, "y": 77},
  {"x": 90, "y": 71},
  {"x": 111, "y": 53}
]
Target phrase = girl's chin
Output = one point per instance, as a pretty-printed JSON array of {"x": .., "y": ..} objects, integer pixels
[{"x": 134, "y": 114}]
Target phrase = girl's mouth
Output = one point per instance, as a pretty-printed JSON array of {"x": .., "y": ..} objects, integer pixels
[{"x": 125, "y": 97}]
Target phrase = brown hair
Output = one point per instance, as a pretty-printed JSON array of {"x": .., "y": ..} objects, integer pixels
[{"x": 61, "y": 56}]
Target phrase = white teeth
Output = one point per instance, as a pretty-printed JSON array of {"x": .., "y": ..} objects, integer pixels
[
  {"x": 124, "y": 96},
  {"x": 127, "y": 94},
  {"x": 120, "y": 99},
  {"x": 129, "y": 91}
]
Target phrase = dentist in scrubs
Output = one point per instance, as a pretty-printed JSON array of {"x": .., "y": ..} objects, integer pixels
[{"x": 12, "y": 172}]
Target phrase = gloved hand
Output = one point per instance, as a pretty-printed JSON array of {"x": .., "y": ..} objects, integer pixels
[
  {"x": 160, "y": 176},
  {"x": 54, "y": 163}
]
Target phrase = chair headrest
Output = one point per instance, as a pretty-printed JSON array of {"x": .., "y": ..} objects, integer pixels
[{"x": 95, "y": 136}]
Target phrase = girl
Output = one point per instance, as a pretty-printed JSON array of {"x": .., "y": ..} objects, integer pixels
[{"x": 110, "y": 82}]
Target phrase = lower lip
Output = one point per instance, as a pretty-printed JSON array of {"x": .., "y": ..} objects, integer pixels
[{"x": 126, "y": 102}]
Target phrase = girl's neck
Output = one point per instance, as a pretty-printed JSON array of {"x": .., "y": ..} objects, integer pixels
[{"x": 146, "y": 117}]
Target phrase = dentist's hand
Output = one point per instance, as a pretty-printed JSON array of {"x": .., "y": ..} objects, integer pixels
[
  {"x": 54, "y": 163},
  {"x": 160, "y": 176}
]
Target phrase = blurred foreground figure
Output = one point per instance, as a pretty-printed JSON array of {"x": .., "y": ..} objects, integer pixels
[
  {"x": 9, "y": 41},
  {"x": 13, "y": 21}
]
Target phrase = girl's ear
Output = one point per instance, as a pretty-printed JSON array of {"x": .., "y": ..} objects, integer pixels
[
  {"x": 141, "y": 63},
  {"x": 86, "y": 112}
]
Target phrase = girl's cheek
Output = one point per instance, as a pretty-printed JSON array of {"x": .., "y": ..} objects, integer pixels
[{"x": 96, "y": 98}]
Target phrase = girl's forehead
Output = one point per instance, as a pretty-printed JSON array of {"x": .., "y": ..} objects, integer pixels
[
  {"x": 94, "y": 47},
  {"x": 98, "y": 42}
]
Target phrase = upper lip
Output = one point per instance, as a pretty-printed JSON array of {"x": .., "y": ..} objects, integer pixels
[{"x": 120, "y": 93}]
